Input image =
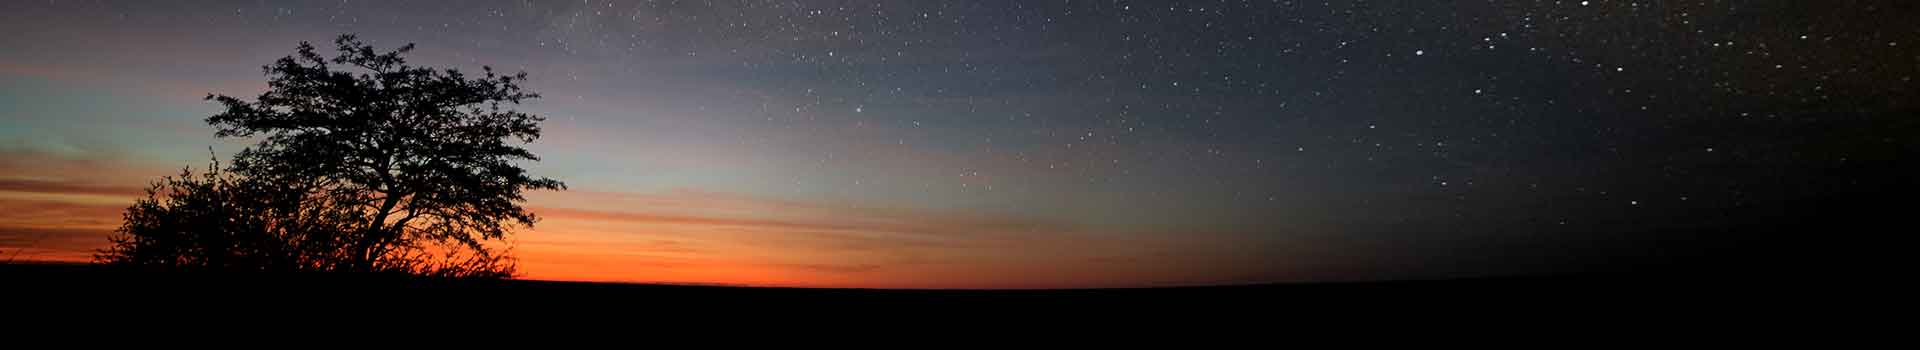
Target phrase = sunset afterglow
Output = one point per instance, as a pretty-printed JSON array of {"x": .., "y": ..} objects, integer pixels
[{"x": 1035, "y": 144}]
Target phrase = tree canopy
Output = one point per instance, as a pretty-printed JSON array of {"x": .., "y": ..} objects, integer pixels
[{"x": 385, "y": 166}]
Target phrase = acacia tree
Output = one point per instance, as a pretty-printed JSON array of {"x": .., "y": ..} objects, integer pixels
[{"x": 414, "y": 168}]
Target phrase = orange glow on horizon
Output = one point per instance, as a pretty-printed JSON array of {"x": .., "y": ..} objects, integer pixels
[{"x": 692, "y": 237}]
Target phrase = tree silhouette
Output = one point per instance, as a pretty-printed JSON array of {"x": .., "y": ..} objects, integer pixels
[
  {"x": 390, "y": 168},
  {"x": 218, "y": 221}
]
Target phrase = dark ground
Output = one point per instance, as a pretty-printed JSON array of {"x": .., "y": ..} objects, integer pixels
[{"x": 37, "y": 285}]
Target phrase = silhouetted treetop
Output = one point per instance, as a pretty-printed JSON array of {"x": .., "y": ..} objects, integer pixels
[{"x": 425, "y": 156}]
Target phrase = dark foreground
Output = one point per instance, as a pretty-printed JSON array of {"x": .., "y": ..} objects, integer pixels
[{"x": 32, "y": 285}]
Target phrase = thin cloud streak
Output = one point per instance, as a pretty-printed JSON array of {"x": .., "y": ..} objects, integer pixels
[{"x": 698, "y": 236}]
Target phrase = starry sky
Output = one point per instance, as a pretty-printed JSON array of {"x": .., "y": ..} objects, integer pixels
[{"x": 1042, "y": 144}]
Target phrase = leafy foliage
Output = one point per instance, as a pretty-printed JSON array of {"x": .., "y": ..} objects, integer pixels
[{"x": 363, "y": 163}]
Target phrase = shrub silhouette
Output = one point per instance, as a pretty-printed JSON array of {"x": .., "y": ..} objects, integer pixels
[
  {"x": 363, "y": 164},
  {"x": 217, "y": 221}
]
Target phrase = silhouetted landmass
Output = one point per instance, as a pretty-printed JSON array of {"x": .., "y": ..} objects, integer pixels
[{"x": 1552, "y": 291}]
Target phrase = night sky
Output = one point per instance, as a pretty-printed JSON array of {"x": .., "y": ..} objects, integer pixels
[{"x": 1019, "y": 144}]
